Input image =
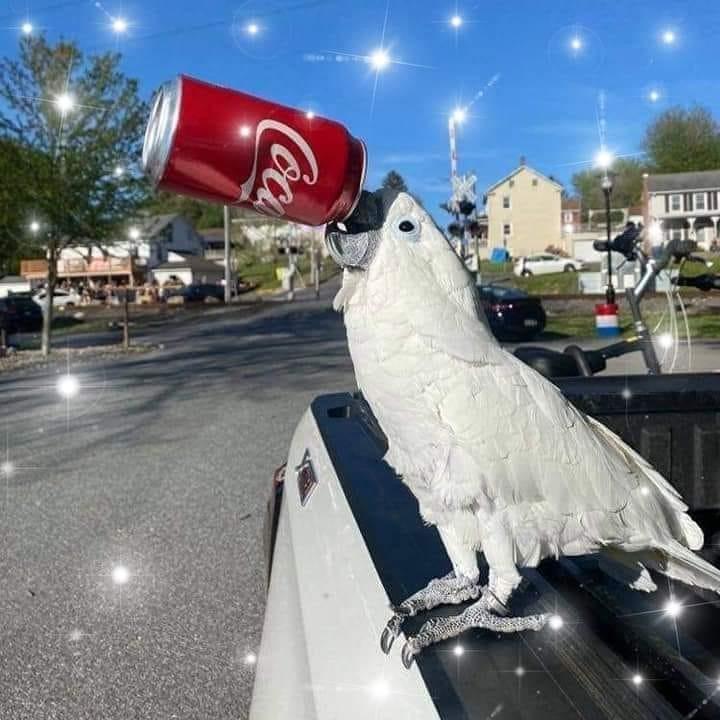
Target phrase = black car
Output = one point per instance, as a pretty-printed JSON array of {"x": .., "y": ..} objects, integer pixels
[
  {"x": 511, "y": 313},
  {"x": 197, "y": 292},
  {"x": 19, "y": 313}
]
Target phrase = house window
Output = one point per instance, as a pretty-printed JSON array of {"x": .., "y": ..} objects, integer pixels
[
  {"x": 507, "y": 229},
  {"x": 699, "y": 201},
  {"x": 676, "y": 203},
  {"x": 512, "y": 183},
  {"x": 676, "y": 234},
  {"x": 506, "y": 202},
  {"x": 534, "y": 182}
]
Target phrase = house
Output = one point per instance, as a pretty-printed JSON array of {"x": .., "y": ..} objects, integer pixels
[
  {"x": 10, "y": 284},
  {"x": 571, "y": 209},
  {"x": 189, "y": 271},
  {"x": 523, "y": 212},
  {"x": 682, "y": 205},
  {"x": 150, "y": 241}
]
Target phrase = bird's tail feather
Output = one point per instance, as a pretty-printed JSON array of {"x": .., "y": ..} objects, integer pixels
[{"x": 684, "y": 565}]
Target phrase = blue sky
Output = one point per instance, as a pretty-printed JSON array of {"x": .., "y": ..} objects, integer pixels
[{"x": 540, "y": 98}]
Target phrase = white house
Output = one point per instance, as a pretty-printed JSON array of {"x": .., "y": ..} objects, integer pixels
[
  {"x": 149, "y": 242},
  {"x": 682, "y": 205}
]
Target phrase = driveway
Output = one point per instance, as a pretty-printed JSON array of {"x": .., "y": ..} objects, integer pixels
[{"x": 130, "y": 518}]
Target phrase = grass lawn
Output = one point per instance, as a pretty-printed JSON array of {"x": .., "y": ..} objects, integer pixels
[
  {"x": 701, "y": 326},
  {"x": 263, "y": 273}
]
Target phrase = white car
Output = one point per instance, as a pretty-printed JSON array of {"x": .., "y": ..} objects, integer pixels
[
  {"x": 344, "y": 539},
  {"x": 61, "y": 298},
  {"x": 546, "y": 263}
]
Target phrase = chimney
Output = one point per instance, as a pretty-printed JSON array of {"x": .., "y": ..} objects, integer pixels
[{"x": 523, "y": 160}]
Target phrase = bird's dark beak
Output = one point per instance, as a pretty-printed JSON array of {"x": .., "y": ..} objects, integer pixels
[{"x": 353, "y": 243}]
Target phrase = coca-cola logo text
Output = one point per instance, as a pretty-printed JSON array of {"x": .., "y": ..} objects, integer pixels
[{"x": 276, "y": 181}]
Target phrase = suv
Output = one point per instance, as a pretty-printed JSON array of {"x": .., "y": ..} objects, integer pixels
[
  {"x": 18, "y": 313},
  {"x": 544, "y": 264},
  {"x": 197, "y": 292}
]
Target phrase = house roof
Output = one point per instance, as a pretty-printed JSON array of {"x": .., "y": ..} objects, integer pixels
[
  {"x": 571, "y": 203},
  {"x": 519, "y": 169},
  {"x": 12, "y": 280},
  {"x": 192, "y": 262},
  {"x": 151, "y": 225},
  {"x": 685, "y": 181}
]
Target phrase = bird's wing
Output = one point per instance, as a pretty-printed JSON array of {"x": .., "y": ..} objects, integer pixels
[{"x": 516, "y": 439}]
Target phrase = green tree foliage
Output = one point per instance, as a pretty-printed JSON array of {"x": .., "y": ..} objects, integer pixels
[
  {"x": 683, "y": 140},
  {"x": 15, "y": 199},
  {"x": 627, "y": 185},
  {"x": 65, "y": 176},
  {"x": 201, "y": 214},
  {"x": 395, "y": 181}
]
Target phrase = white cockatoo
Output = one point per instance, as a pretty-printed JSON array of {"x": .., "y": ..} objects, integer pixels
[{"x": 499, "y": 461}]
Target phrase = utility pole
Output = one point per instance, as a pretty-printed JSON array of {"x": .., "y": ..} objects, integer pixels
[{"x": 226, "y": 223}]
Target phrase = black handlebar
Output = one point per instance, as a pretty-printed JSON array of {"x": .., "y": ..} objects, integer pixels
[
  {"x": 624, "y": 243},
  {"x": 702, "y": 282}
]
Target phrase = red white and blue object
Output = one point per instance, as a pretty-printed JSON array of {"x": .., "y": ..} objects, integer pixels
[{"x": 606, "y": 319}]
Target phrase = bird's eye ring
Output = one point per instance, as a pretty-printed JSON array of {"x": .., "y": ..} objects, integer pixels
[{"x": 406, "y": 226}]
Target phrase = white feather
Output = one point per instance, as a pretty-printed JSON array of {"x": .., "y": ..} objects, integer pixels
[{"x": 492, "y": 450}]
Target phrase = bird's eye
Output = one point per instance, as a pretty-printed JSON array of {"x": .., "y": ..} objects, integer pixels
[{"x": 407, "y": 228}]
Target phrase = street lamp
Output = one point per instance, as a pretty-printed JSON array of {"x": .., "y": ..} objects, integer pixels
[
  {"x": 604, "y": 160},
  {"x": 459, "y": 115}
]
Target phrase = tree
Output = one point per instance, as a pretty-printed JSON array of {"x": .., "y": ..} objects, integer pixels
[
  {"x": 627, "y": 185},
  {"x": 683, "y": 140},
  {"x": 14, "y": 204},
  {"x": 394, "y": 180},
  {"x": 72, "y": 120},
  {"x": 201, "y": 214}
]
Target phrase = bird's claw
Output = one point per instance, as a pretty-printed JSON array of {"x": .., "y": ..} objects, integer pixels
[
  {"x": 408, "y": 653},
  {"x": 391, "y": 631},
  {"x": 476, "y": 616}
]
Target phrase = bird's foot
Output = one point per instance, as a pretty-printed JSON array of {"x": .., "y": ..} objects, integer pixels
[
  {"x": 448, "y": 590},
  {"x": 480, "y": 615}
]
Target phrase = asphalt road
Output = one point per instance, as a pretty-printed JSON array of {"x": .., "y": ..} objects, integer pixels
[
  {"x": 131, "y": 578},
  {"x": 131, "y": 575}
]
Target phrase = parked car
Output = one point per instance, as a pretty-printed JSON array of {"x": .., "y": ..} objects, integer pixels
[
  {"x": 511, "y": 313},
  {"x": 344, "y": 540},
  {"x": 61, "y": 298},
  {"x": 197, "y": 292},
  {"x": 546, "y": 263},
  {"x": 18, "y": 313}
]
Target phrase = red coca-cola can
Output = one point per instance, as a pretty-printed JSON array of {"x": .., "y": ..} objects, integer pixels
[{"x": 222, "y": 145}]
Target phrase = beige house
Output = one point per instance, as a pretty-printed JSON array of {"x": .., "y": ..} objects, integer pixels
[{"x": 524, "y": 212}]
